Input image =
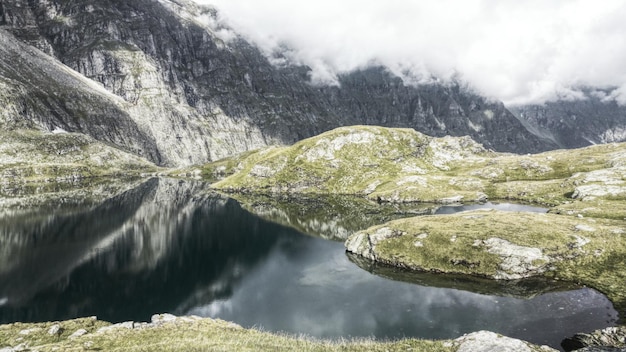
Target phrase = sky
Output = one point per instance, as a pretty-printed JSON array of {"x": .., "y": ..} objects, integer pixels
[{"x": 519, "y": 52}]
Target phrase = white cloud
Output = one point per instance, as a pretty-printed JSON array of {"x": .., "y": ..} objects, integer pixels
[
  {"x": 619, "y": 95},
  {"x": 515, "y": 51}
]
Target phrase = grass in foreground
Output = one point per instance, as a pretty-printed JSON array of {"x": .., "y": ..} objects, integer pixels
[{"x": 186, "y": 335}]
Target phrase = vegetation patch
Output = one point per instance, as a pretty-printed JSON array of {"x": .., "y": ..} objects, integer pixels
[
  {"x": 32, "y": 156},
  {"x": 504, "y": 245},
  {"x": 181, "y": 334},
  {"x": 384, "y": 164},
  {"x": 402, "y": 165}
]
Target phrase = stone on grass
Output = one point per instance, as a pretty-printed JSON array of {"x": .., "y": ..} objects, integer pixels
[
  {"x": 55, "y": 329},
  {"x": 487, "y": 341}
]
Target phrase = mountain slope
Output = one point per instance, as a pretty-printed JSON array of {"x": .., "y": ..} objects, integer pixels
[
  {"x": 578, "y": 123},
  {"x": 38, "y": 89},
  {"x": 196, "y": 92},
  {"x": 375, "y": 97}
]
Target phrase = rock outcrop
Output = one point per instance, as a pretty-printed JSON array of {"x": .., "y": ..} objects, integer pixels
[
  {"x": 609, "y": 339},
  {"x": 383, "y": 164},
  {"x": 503, "y": 246},
  {"x": 402, "y": 165},
  {"x": 487, "y": 341}
]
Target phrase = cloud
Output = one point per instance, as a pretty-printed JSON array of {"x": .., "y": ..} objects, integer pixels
[{"x": 518, "y": 52}]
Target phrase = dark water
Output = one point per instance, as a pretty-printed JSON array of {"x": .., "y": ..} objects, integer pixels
[
  {"x": 169, "y": 246},
  {"x": 451, "y": 209}
]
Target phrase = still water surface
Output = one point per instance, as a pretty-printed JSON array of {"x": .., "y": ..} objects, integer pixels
[{"x": 170, "y": 246}]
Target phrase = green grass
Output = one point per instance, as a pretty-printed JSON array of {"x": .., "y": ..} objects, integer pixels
[
  {"x": 607, "y": 208},
  {"x": 402, "y": 165},
  {"x": 351, "y": 160},
  {"x": 191, "y": 335}
]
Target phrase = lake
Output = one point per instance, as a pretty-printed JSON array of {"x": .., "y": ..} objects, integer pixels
[{"x": 174, "y": 246}]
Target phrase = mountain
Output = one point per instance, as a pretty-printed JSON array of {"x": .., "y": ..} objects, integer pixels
[
  {"x": 594, "y": 119},
  {"x": 166, "y": 80}
]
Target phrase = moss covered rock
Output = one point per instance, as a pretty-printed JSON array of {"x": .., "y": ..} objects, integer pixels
[
  {"x": 385, "y": 164},
  {"x": 504, "y": 245},
  {"x": 402, "y": 165}
]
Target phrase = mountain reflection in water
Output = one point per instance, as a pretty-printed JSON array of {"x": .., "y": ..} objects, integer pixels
[{"x": 173, "y": 246}]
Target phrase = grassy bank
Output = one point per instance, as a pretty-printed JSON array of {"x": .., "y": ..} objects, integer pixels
[
  {"x": 504, "y": 245},
  {"x": 182, "y": 334}
]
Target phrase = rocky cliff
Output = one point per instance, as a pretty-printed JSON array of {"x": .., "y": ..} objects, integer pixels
[
  {"x": 594, "y": 119},
  {"x": 181, "y": 88}
]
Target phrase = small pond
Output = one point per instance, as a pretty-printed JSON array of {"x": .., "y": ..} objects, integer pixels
[{"x": 173, "y": 246}]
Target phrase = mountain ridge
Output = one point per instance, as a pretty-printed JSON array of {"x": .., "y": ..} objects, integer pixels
[
  {"x": 195, "y": 97},
  {"x": 592, "y": 119}
]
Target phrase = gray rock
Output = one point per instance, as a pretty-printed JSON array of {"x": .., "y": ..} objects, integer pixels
[
  {"x": 55, "y": 329},
  {"x": 609, "y": 339},
  {"x": 517, "y": 261},
  {"x": 78, "y": 333},
  {"x": 129, "y": 325},
  {"x": 364, "y": 244},
  {"x": 163, "y": 318},
  {"x": 584, "y": 228},
  {"x": 29, "y": 331},
  {"x": 486, "y": 341}
]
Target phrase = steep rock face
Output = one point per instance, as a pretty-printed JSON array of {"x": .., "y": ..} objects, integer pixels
[
  {"x": 38, "y": 89},
  {"x": 577, "y": 123},
  {"x": 143, "y": 52},
  {"x": 375, "y": 97},
  {"x": 198, "y": 92}
]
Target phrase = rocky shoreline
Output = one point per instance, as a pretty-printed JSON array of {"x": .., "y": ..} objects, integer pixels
[{"x": 503, "y": 246}]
